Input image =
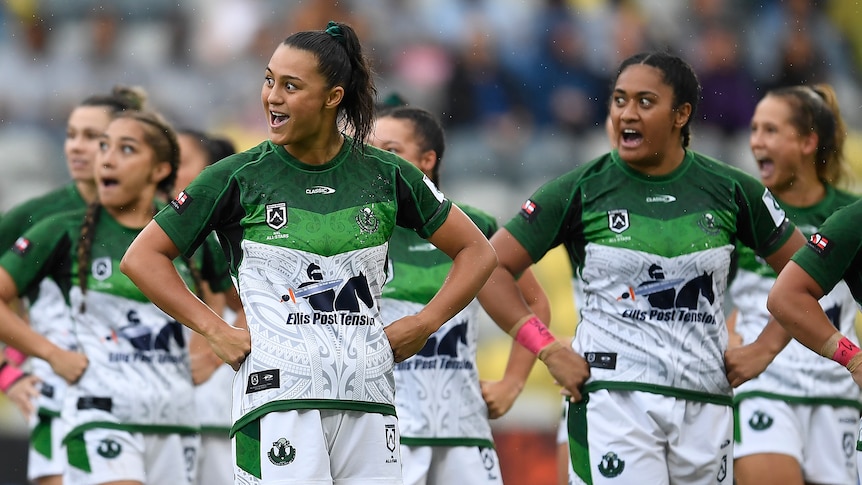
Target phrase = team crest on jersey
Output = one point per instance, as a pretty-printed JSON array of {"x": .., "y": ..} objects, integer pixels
[
  {"x": 760, "y": 421},
  {"x": 618, "y": 220},
  {"x": 101, "y": 268},
  {"x": 819, "y": 244},
  {"x": 276, "y": 215},
  {"x": 21, "y": 246},
  {"x": 707, "y": 224},
  {"x": 282, "y": 453},
  {"x": 181, "y": 202},
  {"x": 530, "y": 210},
  {"x": 367, "y": 221}
]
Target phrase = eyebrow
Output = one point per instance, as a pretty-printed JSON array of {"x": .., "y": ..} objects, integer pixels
[
  {"x": 638, "y": 93},
  {"x": 283, "y": 76}
]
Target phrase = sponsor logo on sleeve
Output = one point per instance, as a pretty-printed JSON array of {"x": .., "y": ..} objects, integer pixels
[
  {"x": 21, "y": 246},
  {"x": 530, "y": 210},
  {"x": 819, "y": 244},
  {"x": 181, "y": 203}
]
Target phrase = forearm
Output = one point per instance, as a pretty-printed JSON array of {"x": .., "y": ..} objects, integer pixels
[
  {"x": 502, "y": 300},
  {"x": 15, "y": 332},
  {"x": 774, "y": 337},
  {"x": 156, "y": 276},
  {"x": 470, "y": 269},
  {"x": 802, "y": 317}
]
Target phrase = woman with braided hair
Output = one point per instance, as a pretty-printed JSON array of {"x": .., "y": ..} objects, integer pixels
[
  {"x": 306, "y": 218},
  {"x": 46, "y": 309},
  {"x": 130, "y": 417}
]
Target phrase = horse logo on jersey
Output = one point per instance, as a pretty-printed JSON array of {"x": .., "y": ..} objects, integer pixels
[
  {"x": 618, "y": 220},
  {"x": 101, "y": 268},
  {"x": 760, "y": 421},
  {"x": 276, "y": 215},
  {"x": 367, "y": 221},
  {"x": 282, "y": 453},
  {"x": 611, "y": 465}
]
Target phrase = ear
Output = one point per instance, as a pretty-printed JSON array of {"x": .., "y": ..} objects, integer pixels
[
  {"x": 681, "y": 115},
  {"x": 160, "y": 171},
  {"x": 336, "y": 94},
  {"x": 427, "y": 162},
  {"x": 809, "y": 144}
]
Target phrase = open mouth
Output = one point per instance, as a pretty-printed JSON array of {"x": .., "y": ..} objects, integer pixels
[
  {"x": 631, "y": 138},
  {"x": 766, "y": 166},
  {"x": 277, "y": 119},
  {"x": 109, "y": 182}
]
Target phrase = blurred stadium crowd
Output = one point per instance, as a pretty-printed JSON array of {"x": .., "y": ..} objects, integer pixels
[{"x": 520, "y": 85}]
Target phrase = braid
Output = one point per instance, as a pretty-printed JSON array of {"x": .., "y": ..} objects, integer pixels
[{"x": 85, "y": 247}]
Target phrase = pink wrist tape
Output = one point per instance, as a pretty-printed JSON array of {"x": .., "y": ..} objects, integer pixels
[
  {"x": 9, "y": 375},
  {"x": 15, "y": 356},
  {"x": 845, "y": 351},
  {"x": 534, "y": 335}
]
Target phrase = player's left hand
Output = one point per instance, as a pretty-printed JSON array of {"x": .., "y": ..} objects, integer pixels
[
  {"x": 23, "y": 394},
  {"x": 746, "y": 362}
]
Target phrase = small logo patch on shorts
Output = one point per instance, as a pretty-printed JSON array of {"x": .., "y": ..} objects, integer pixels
[
  {"x": 601, "y": 360},
  {"x": 263, "y": 380},
  {"x": 282, "y": 453}
]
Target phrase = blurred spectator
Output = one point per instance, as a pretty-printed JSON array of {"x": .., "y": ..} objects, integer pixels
[
  {"x": 729, "y": 92},
  {"x": 569, "y": 94}
]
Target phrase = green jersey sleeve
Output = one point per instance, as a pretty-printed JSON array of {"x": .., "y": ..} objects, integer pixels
[
  {"x": 42, "y": 251},
  {"x": 835, "y": 251},
  {"x": 762, "y": 223}
]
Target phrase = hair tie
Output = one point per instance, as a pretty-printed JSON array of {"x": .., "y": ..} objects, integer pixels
[{"x": 334, "y": 30}]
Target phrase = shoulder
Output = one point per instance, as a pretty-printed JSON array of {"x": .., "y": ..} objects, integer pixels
[{"x": 58, "y": 200}]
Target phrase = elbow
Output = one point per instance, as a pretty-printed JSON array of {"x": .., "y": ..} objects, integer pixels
[
  {"x": 127, "y": 265},
  {"x": 490, "y": 260}
]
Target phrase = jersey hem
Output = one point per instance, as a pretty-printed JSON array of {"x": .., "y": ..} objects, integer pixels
[
  {"x": 447, "y": 442},
  {"x": 663, "y": 390},
  {"x": 131, "y": 428},
  {"x": 298, "y": 404},
  {"x": 804, "y": 400}
]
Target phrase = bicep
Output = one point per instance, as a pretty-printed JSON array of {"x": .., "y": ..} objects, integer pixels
[
  {"x": 793, "y": 280},
  {"x": 153, "y": 239}
]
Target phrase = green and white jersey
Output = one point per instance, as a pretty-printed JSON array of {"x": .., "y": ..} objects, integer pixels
[
  {"x": 653, "y": 254},
  {"x": 796, "y": 374},
  {"x": 439, "y": 400},
  {"x": 835, "y": 251},
  {"x": 48, "y": 312},
  {"x": 138, "y": 377},
  {"x": 307, "y": 246}
]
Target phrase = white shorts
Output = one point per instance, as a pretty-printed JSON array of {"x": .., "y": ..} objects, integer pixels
[
  {"x": 821, "y": 438},
  {"x": 215, "y": 460},
  {"x": 318, "y": 447},
  {"x": 621, "y": 437},
  {"x": 444, "y": 465},
  {"x": 106, "y": 455},
  {"x": 47, "y": 455}
]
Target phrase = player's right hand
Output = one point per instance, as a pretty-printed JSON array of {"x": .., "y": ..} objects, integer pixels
[
  {"x": 231, "y": 344},
  {"x": 68, "y": 364},
  {"x": 569, "y": 369}
]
